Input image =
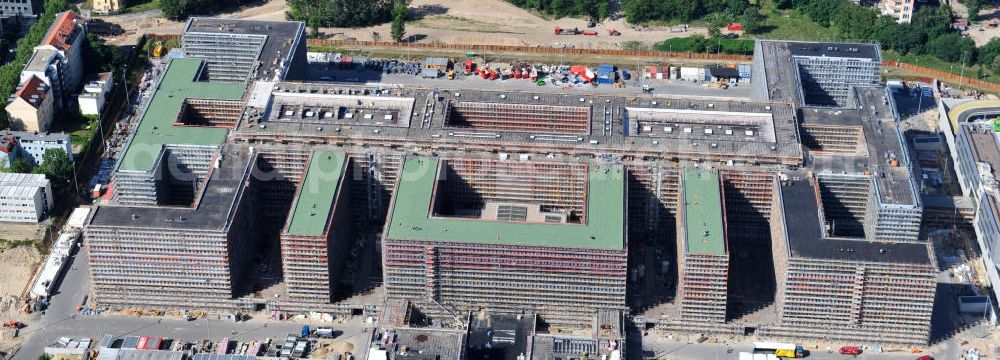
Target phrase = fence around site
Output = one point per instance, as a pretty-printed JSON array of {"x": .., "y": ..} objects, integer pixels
[{"x": 921, "y": 71}]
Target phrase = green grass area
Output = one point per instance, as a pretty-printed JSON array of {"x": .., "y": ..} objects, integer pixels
[
  {"x": 700, "y": 44},
  {"x": 931, "y": 62},
  {"x": 793, "y": 25},
  {"x": 10, "y": 244},
  {"x": 140, "y": 5},
  {"x": 81, "y": 129}
]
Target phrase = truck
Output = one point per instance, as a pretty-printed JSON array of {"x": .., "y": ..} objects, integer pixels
[
  {"x": 850, "y": 350},
  {"x": 782, "y": 350},
  {"x": 305, "y": 331},
  {"x": 469, "y": 64},
  {"x": 561, "y": 31},
  {"x": 324, "y": 332}
]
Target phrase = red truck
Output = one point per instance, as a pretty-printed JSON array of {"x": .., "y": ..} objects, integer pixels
[
  {"x": 469, "y": 64},
  {"x": 850, "y": 350}
]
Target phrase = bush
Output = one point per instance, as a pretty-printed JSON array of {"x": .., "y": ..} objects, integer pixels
[{"x": 701, "y": 44}]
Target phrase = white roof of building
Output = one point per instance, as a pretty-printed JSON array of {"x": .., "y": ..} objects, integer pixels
[
  {"x": 14, "y": 185},
  {"x": 15, "y": 180}
]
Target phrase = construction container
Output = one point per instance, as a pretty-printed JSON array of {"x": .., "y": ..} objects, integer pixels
[
  {"x": 649, "y": 72},
  {"x": 744, "y": 71},
  {"x": 430, "y": 73},
  {"x": 692, "y": 74},
  {"x": 439, "y": 63},
  {"x": 606, "y": 74}
]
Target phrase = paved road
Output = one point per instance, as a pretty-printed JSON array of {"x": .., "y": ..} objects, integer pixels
[
  {"x": 61, "y": 319},
  {"x": 666, "y": 349}
]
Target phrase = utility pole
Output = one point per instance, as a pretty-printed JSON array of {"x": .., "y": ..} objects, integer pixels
[{"x": 961, "y": 75}]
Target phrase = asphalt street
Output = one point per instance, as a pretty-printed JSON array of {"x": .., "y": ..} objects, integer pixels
[{"x": 61, "y": 319}]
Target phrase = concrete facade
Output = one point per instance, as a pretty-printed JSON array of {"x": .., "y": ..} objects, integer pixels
[{"x": 25, "y": 8}]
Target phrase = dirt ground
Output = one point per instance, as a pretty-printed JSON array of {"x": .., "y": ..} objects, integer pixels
[
  {"x": 18, "y": 266},
  {"x": 327, "y": 348},
  {"x": 449, "y": 21},
  {"x": 979, "y": 31}
]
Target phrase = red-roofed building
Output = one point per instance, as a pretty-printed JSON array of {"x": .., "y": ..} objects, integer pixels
[
  {"x": 30, "y": 108},
  {"x": 58, "y": 60},
  {"x": 8, "y": 149}
]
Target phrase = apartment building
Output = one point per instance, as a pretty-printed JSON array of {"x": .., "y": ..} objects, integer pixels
[
  {"x": 31, "y": 106},
  {"x": 58, "y": 59},
  {"x": 24, "y": 198}
]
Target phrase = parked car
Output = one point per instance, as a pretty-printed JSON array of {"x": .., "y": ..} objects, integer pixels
[{"x": 850, "y": 350}]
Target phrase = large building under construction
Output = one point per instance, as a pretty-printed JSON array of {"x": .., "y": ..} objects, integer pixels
[
  {"x": 546, "y": 237},
  {"x": 849, "y": 263},
  {"x": 560, "y": 205},
  {"x": 701, "y": 247}
]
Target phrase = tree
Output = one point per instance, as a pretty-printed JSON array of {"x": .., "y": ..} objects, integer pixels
[
  {"x": 950, "y": 47},
  {"x": 753, "y": 22},
  {"x": 179, "y": 9},
  {"x": 18, "y": 165},
  {"x": 56, "y": 166},
  {"x": 101, "y": 57},
  {"x": 340, "y": 13},
  {"x": 996, "y": 65},
  {"x": 989, "y": 52},
  {"x": 173, "y": 9},
  {"x": 603, "y": 10},
  {"x": 973, "y": 7},
  {"x": 399, "y": 21}
]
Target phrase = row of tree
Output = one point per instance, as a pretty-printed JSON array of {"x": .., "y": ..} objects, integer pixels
[
  {"x": 340, "y": 13},
  {"x": 597, "y": 9},
  {"x": 56, "y": 165},
  {"x": 179, "y": 9},
  {"x": 637, "y": 11}
]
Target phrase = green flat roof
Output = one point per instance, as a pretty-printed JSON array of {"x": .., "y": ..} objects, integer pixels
[
  {"x": 314, "y": 202},
  {"x": 605, "y": 228},
  {"x": 157, "y": 125},
  {"x": 703, "y": 212}
]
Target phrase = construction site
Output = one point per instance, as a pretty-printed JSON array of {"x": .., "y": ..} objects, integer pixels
[{"x": 577, "y": 209}]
